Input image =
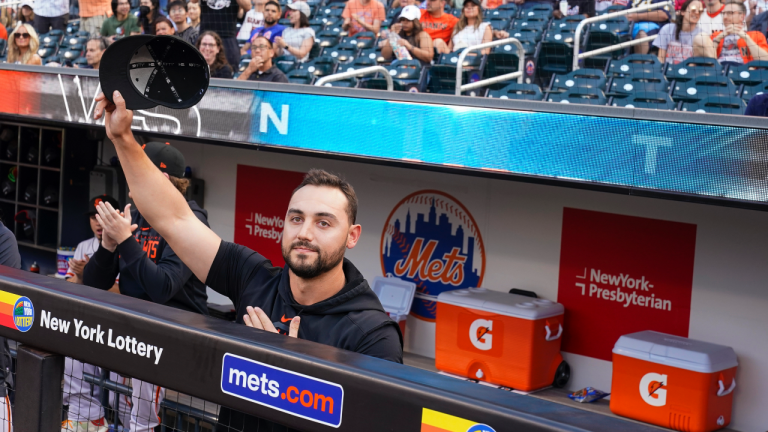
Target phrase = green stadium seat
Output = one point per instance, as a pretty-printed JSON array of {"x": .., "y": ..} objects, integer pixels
[
  {"x": 502, "y": 60},
  {"x": 534, "y": 12},
  {"x": 537, "y": 23},
  {"x": 748, "y": 92},
  {"x": 582, "y": 95},
  {"x": 509, "y": 13},
  {"x": 393, "y": 14},
  {"x": 555, "y": 57},
  {"x": 317, "y": 24},
  {"x": 285, "y": 63},
  {"x": 373, "y": 54},
  {"x": 694, "y": 67},
  {"x": 650, "y": 100},
  {"x": 358, "y": 63},
  {"x": 347, "y": 83},
  {"x": 527, "y": 34},
  {"x": 717, "y": 105},
  {"x": 71, "y": 54},
  {"x": 46, "y": 52},
  {"x": 612, "y": 9},
  {"x": 749, "y": 74},
  {"x": 640, "y": 82},
  {"x": 285, "y": 22},
  {"x": 500, "y": 23},
  {"x": 581, "y": 78},
  {"x": 442, "y": 76},
  {"x": 72, "y": 28},
  {"x": 560, "y": 35},
  {"x": 517, "y": 91},
  {"x": 321, "y": 66},
  {"x": 80, "y": 62},
  {"x": 703, "y": 87},
  {"x": 344, "y": 52},
  {"x": 243, "y": 64},
  {"x": 3, "y": 47},
  {"x": 568, "y": 23},
  {"x": 52, "y": 59},
  {"x": 603, "y": 34},
  {"x": 80, "y": 33},
  {"x": 331, "y": 11},
  {"x": 300, "y": 76},
  {"x": 406, "y": 76},
  {"x": 363, "y": 40},
  {"x": 328, "y": 38},
  {"x": 634, "y": 63}
]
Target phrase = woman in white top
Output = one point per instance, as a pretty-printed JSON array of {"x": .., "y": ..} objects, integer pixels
[
  {"x": 470, "y": 30},
  {"x": 297, "y": 40}
]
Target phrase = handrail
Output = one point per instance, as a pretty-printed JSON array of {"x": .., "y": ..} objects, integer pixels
[
  {"x": 356, "y": 73},
  {"x": 577, "y": 36},
  {"x": 483, "y": 83}
]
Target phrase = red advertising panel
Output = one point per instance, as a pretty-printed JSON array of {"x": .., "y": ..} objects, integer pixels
[
  {"x": 261, "y": 200},
  {"x": 622, "y": 274}
]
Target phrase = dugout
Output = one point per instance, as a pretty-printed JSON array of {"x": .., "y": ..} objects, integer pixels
[{"x": 528, "y": 178}]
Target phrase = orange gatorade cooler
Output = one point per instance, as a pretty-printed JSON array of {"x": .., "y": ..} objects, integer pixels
[
  {"x": 674, "y": 382},
  {"x": 504, "y": 339},
  {"x": 396, "y": 296}
]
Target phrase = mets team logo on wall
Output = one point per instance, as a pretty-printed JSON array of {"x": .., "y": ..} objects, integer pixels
[{"x": 431, "y": 239}]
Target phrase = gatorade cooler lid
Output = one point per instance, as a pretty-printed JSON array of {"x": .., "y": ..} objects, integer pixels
[
  {"x": 396, "y": 295},
  {"x": 502, "y": 303},
  {"x": 676, "y": 351}
]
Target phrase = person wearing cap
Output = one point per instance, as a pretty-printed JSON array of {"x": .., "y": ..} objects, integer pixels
[
  {"x": 438, "y": 24},
  {"x": 149, "y": 269},
  {"x": 177, "y": 10},
  {"x": 412, "y": 36},
  {"x": 26, "y": 14},
  {"x": 363, "y": 16},
  {"x": 297, "y": 40},
  {"x": 470, "y": 29},
  {"x": 51, "y": 14},
  {"x": 122, "y": 22},
  {"x": 260, "y": 68}
]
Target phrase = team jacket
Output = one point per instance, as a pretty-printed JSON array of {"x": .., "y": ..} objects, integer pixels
[{"x": 149, "y": 269}]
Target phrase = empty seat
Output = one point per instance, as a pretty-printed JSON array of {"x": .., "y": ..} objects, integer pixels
[
  {"x": 73, "y": 28},
  {"x": 348, "y": 83},
  {"x": 750, "y": 74},
  {"x": 534, "y": 22},
  {"x": 80, "y": 33},
  {"x": 582, "y": 78},
  {"x": 373, "y": 54},
  {"x": 704, "y": 87},
  {"x": 509, "y": 13},
  {"x": 527, "y": 34},
  {"x": 555, "y": 57},
  {"x": 72, "y": 53},
  {"x": 285, "y": 63},
  {"x": 362, "y": 40},
  {"x": 243, "y": 65},
  {"x": 568, "y": 23},
  {"x": 46, "y": 52},
  {"x": 344, "y": 52},
  {"x": 748, "y": 92},
  {"x": 536, "y": 13},
  {"x": 300, "y": 76},
  {"x": 358, "y": 63},
  {"x": 406, "y": 75},
  {"x": 603, "y": 34},
  {"x": 640, "y": 82},
  {"x": 717, "y": 105},
  {"x": 317, "y": 24},
  {"x": 331, "y": 10},
  {"x": 80, "y": 62},
  {"x": 502, "y": 60},
  {"x": 442, "y": 76},
  {"x": 579, "y": 95},
  {"x": 694, "y": 67},
  {"x": 651, "y": 100},
  {"x": 285, "y": 22},
  {"x": 52, "y": 59},
  {"x": 328, "y": 38},
  {"x": 634, "y": 63},
  {"x": 517, "y": 91},
  {"x": 321, "y": 66},
  {"x": 499, "y": 23}
]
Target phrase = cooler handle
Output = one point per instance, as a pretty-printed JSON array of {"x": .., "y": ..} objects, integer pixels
[
  {"x": 723, "y": 391},
  {"x": 549, "y": 337}
]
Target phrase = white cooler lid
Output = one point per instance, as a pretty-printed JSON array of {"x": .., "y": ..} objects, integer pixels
[
  {"x": 396, "y": 295},
  {"x": 502, "y": 303},
  {"x": 676, "y": 351}
]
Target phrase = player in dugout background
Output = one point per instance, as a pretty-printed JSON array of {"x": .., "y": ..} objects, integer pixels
[{"x": 323, "y": 296}]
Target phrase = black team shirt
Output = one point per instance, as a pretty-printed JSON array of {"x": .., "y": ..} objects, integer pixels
[{"x": 353, "y": 319}]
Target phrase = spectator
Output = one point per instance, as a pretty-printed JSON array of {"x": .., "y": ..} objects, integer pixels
[
  {"x": 193, "y": 12},
  {"x": 177, "y": 10},
  {"x": 438, "y": 24},
  {"x": 210, "y": 46},
  {"x": 220, "y": 16},
  {"x": 253, "y": 19},
  {"x": 735, "y": 45},
  {"x": 363, "y": 15},
  {"x": 94, "y": 48},
  {"x": 93, "y": 13},
  {"x": 22, "y": 46},
  {"x": 163, "y": 27},
  {"x": 299, "y": 39},
  {"x": 646, "y": 23},
  {"x": 711, "y": 20},
  {"x": 271, "y": 28},
  {"x": 3, "y": 33},
  {"x": 9, "y": 257},
  {"x": 758, "y": 106},
  {"x": 121, "y": 23},
  {"x": 470, "y": 30},
  {"x": 260, "y": 67},
  {"x": 491, "y": 4},
  {"x": 51, "y": 14},
  {"x": 149, "y": 12},
  {"x": 412, "y": 36},
  {"x": 26, "y": 13},
  {"x": 683, "y": 38}
]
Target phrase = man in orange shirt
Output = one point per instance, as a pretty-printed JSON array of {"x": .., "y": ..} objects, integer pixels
[
  {"x": 438, "y": 24},
  {"x": 735, "y": 45},
  {"x": 92, "y": 15},
  {"x": 363, "y": 15}
]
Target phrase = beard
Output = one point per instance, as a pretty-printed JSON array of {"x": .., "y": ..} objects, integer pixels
[
  {"x": 269, "y": 21},
  {"x": 306, "y": 269}
]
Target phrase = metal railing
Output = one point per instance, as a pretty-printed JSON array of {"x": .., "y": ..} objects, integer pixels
[
  {"x": 358, "y": 73},
  {"x": 482, "y": 83},
  {"x": 582, "y": 24}
]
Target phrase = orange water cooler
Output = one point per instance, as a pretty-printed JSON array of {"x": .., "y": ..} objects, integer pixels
[
  {"x": 396, "y": 296},
  {"x": 504, "y": 339},
  {"x": 674, "y": 382}
]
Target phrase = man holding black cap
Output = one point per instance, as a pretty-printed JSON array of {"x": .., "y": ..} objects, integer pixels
[{"x": 149, "y": 269}]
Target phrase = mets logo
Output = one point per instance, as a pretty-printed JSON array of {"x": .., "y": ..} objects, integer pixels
[
  {"x": 432, "y": 240},
  {"x": 23, "y": 314}
]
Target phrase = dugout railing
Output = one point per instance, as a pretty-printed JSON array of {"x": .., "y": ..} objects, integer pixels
[{"x": 375, "y": 395}]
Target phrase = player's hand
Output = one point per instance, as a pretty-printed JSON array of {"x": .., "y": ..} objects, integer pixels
[
  {"x": 256, "y": 318},
  {"x": 77, "y": 266},
  {"x": 118, "y": 119},
  {"x": 116, "y": 226}
]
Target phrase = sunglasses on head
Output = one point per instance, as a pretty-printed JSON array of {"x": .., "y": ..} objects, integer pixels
[{"x": 21, "y": 35}]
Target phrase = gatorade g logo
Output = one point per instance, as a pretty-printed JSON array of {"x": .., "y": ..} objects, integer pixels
[
  {"x": 653, "y": 389},
  {"x": 480, "y": 334}
]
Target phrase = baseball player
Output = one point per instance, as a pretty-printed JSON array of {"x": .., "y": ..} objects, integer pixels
[{"x": 9, "y": 256}]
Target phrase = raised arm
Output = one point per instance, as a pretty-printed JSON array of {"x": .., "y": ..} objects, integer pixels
[{"x": 155, "y": 197}]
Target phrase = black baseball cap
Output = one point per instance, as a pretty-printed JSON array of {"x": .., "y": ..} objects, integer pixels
[
  {"x": 154, "y": 70},
  {"x": 101, "y": 198},
  {"x": 166, "y": 158},
  {"x": 477, "y": 2}
]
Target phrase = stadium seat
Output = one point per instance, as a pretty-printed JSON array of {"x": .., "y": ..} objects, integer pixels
[
  {"x": 537, "y": 6},
  {"x": 406, "y": 75},
  {"x": 583, "y": 95},
  {"x": 52, "y": 59},
  {"x": 333, "y": 10},
  {"x": 502, "y": 60},
  {"x": 582, "y": 78},
  {"x": 650, "y": 100},
  {"x": 555, "y": 57},
  {"x": 634, "y": 63},
  {"x": 80, "y": 33},
  {"x": 509, "y": 12},
  {"x": 80, "y": 62},
  {"x": 285, "y": 22},
  {"x": 285, "y": 63},
  {"x": 694, "y": 67},
  {"x": 535, "y": 22},
  {"x": 46, "y": 52},
  {"x": 570, "y": 22},
  {"x": 300, "y": 76},
  {"x": 321, "y": 66},
  {"x": 348, "y": 83},
  {"x": 640, "y": 82},
  {"x": 317, "y": 24},
  {"x": 749, "y": 74},
  {"x": 363, "y": 40},
  {"x": 73, "y": 28},
  {"x": 394, "y": 13},
  {"x": 704, "y": 87},
  {"x": 748, "y": 92},
  {"x": 536, "y": 13},
  {"x": 358, "y": 63},
  {"x": 603, "y": 34},
  {"x": 243, "y": 64},
  {"x": 74, "y": 40},
  {"x": 560, "y": 35},
  {"x": 612, "y": 9},
  {"x": 499, "y": 23},
  {"x": 344, "y": 52},
  {"x": 442, "y": 76},
  {"x": 328, "y": 38},
  {"x": 717, "y": 105},
  {"x": 518, "y": 91},
  {"x": 58, "y": 35},
  {"x": 3, "y": 47},
  {"x": 373, "y": 54},
  {"x": 529, "y": 34}
]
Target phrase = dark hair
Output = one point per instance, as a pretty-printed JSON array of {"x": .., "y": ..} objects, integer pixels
[
  {"x": 318, "y": 177},
  {"x": 181, "y": 184},
  {"x": 179, "y": 3},
  {"x": 679, "y": 17},
  {"x": 417, "y": 29},
  {"x": 114, "y": 7},
  {"x": 159, "y": 20},
  {"x": 274, "y": 3},
  {"x": 303, "y": 20},
  {"x": 265, "y": 38},
  {"x": 102, "y": 42},
  {"x": 221, "y": 57}
]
